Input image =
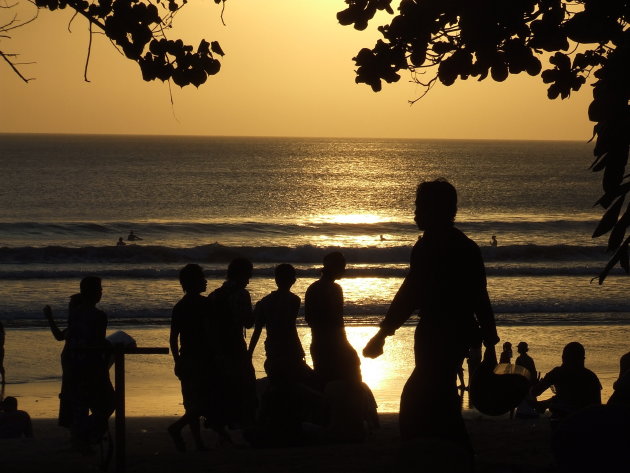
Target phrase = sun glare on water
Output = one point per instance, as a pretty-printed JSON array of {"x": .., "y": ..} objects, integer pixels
[{"x": 350, "y": 218}]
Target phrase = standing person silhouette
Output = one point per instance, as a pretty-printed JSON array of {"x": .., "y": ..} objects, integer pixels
[
  {"x": 506, "y": 354},
  {"x": 447, "y": 284},
  {"x": 87, "y": 394},
  {"x": 334, "y": 359},
  {"x": 189, "y": 346},
  {"x": 232, "y": 314}
]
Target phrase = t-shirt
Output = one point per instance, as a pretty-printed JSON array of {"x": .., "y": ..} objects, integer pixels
[
  {"x": 575, "y": 387},
  {"x": 446, "y": 283},
  {"x": 189, "y": 319},
  {"x": 323, "y": 309},
  {"x": 278, "y": 312}
]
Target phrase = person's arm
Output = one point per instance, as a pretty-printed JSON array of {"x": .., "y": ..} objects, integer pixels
[
  {"x": 260, "y": 323},
  {"x": 174, "y": 340},
  {"x": 399, "y": 311},
  {"x": 483, "y": 307},
  {"x": 543, "y": 384},
  {"x": 241, "y": 307},
  {"x": 57, "y": 333}
]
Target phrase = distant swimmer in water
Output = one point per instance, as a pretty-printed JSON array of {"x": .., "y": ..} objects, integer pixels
[
  {"x": 493, "y": 241},
  {"x": 120, "y": 242},
  {"x": 133, "y": 237}
]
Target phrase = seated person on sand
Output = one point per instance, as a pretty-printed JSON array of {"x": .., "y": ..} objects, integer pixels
[
  {"x": 334, "y": 359},
  {"x": 13, "y": 422},
  {"x": 234, "y": 373},
  {"x": 526, "y": 361},
  {"x": 575, "y": 385},
  {"x": 189, "y": 347},
  {"x": 621, "y": 394}
]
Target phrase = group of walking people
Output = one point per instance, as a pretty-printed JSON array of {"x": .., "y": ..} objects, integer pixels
[{"x": 446, "y": 284}]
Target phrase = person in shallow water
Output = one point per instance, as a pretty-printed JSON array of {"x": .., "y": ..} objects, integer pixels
[{"x": 447, "y": 284}]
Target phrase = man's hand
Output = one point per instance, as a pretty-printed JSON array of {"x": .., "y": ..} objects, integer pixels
[
  {"x": 374, "y": 347},
  {"x": 47, "y": 312}
]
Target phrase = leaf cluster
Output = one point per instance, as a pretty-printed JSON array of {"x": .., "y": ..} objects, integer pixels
[
  {"x": 458, "y": 39},
  {"x": 138, "y": 27}
]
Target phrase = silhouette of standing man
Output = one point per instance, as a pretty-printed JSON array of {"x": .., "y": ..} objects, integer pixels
[{"x": 447, "y": 284}]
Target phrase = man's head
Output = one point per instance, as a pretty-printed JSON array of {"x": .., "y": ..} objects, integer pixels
[
  {"x": 334, "y": 265},
  {"x": 522, "y": 347},
  {"x": 9, "y": 404},
  {"x": 285, "y": 275},
  {"x": 436, "y": 204},
  {"x": 573, "y": 354},
  {"x": 91, "y": 289},
  {"x": 192, "y": 279},
  {"x": 240, "y": 271}
]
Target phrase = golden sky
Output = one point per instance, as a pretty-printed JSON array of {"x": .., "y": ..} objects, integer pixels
[{"x": 288, "y": 71}]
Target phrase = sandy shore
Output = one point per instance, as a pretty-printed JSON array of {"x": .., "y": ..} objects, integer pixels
[{"x": 502, "y": 445}]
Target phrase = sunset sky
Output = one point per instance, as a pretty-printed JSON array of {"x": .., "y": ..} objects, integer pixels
[{"x": 288, "y": 71}]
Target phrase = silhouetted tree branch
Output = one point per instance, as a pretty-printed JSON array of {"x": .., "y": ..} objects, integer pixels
[
  {"x": 12, "y": 24},
  {"x": 137, "y": 28},
  {"x": 458, "y": 39}
]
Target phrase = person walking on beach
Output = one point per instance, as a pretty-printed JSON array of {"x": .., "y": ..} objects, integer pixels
[
  {"x": 87, "y": 394},
  {"x": 232, "y": 314},
  {"x": 575, "y": 385},
  {"x": 190, "y": 348},
  {"x": 447, "y": 284},
  {"x": 333, "y": 356}
]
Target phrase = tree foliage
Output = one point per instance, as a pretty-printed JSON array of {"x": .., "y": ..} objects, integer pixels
[
  {"x": 447, "y": 40},
  {"x": 138, "y": 28}
]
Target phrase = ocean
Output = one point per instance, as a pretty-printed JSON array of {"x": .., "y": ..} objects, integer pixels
[{"x": 65, "y": 200}]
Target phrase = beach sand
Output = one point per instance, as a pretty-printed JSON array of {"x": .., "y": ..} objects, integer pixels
[{"x": 502, "y": 445}]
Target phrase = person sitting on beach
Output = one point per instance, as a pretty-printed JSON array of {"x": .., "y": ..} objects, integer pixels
[
  {"x": 621, "y": 393},
  {"x": 506, "y": 354},
  {"x": 447, "y": 284},
  {"x": 120, "y": 242},
  {"x": 575, "y": 385},
  {"x": 133, "y": 237},
  {"x": 2, "y": 337},
  {"x": 13, "y": 422},
  {"x": 493, "y": 241},
  {"x": 85, "y": 385},
  {"x": 189, "y": 347},
  {"x": 232, "y": 313}
]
